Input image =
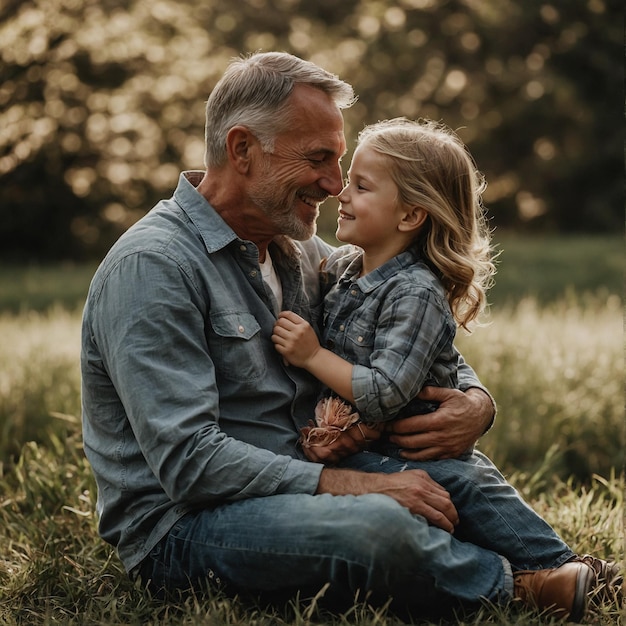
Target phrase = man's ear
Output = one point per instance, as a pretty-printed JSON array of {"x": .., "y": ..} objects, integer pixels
[
  {"x": 239, "y": 147},
  {"x": 413, "y": 219}
]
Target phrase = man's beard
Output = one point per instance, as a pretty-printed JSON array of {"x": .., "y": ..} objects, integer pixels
[{"x": 281, "y": 210}]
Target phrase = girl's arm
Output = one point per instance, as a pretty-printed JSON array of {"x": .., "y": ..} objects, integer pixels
[{"x": 297, "y": 342}]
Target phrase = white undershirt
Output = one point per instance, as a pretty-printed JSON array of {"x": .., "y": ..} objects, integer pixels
[{"x": 272, "y": 280}]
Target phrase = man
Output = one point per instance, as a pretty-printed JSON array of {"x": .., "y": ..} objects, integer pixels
[{"x": 191, "y": 418}]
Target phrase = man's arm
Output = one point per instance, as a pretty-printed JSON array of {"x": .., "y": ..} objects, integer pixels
[
  {"x": 413, "y": 489},
  {"x": 462, "y": 418}
]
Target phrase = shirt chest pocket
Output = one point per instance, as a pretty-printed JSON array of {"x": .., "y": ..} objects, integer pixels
[
  {"x": 236, "y": 346},
  {"x": 359, "y": 341}
]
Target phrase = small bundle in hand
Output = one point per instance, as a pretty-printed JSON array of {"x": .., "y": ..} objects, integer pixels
[{"x": 332, "y": 417}]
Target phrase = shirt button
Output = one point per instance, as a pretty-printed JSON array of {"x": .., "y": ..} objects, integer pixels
[
  {"x": 353, "y": 292},
  {"x": 253, "y": 273},
  {"x": 342, "y": 327},
  {"x": 241, "y": 328},
  {"x": 243, "y": 248},
  {"x": 359, "y": 339}
]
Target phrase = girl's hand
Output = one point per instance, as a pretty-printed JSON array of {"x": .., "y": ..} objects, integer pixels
[{"x": 295, "y": 339}]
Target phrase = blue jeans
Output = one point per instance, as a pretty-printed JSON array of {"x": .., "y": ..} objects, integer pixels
[
  {"x": 358, "y": 544},
  {"x": 492, "y": 513}
]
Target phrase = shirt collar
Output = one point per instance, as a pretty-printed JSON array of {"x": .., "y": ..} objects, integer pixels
[
  {"x": 215, "y": 232},
  {"x": 376, "y": 277}
]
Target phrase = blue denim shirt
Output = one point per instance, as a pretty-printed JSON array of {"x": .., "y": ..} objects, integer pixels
[
  {"x": 395, "y": 325},
  {"x": 186, "y": 403}
]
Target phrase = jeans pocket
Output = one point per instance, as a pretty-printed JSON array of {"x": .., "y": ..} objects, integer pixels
[{"x": 188, "y": 561}]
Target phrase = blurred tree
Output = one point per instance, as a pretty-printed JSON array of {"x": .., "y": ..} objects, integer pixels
[{"x": 102, "y": 101}]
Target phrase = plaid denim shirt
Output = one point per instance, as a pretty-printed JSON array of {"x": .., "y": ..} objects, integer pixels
[{"x": 394, "y": 325}]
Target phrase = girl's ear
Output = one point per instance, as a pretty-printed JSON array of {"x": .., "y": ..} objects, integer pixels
[
  {"x": 239, "y": 148},
  {"x": 413, "y": 219}
]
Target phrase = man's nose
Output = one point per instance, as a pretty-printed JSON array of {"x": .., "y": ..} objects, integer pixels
[{"x": 332, "y": 181}]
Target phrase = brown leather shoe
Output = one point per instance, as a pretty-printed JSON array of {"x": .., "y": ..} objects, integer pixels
[{"x": 562, "y": 590}]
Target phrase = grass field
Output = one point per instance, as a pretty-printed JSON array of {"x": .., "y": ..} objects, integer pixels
[{"x": 553, "y": 360}]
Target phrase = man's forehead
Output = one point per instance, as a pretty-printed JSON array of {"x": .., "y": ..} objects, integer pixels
[
  {"x": 331, "y": 146},
  {"x": 316, "y": 123},
  {"x": 315, "y": 143}
]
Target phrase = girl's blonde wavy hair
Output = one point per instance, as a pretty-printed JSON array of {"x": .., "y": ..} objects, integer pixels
[{"x": 432, "y": 169}]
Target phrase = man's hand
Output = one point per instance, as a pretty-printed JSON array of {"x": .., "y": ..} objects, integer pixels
[
  {"x": 458, "y": 423},
  {"x": 350, "y": 441},
  {"x": 413, "y": 489}
]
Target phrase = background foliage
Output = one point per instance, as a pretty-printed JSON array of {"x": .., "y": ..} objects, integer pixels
[{"x": 101, "y": 101}]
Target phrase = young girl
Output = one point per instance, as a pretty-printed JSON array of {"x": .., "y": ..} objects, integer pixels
[{"x": 420, "y": 265}]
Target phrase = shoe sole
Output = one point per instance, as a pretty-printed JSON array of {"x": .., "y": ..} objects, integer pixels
[{"x": 584, "y": 584}]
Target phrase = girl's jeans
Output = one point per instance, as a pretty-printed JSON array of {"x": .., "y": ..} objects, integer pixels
[{"x": 492, "y": 513}]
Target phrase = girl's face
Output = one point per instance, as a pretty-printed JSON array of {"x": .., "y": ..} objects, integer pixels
[{"x": 370, "y": 209}]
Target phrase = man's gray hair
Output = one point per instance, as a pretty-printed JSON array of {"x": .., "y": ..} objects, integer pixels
[{"x": 253, "y": 93}]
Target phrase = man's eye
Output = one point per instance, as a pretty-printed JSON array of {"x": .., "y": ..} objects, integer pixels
[{"x": 316, "y": 161}]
